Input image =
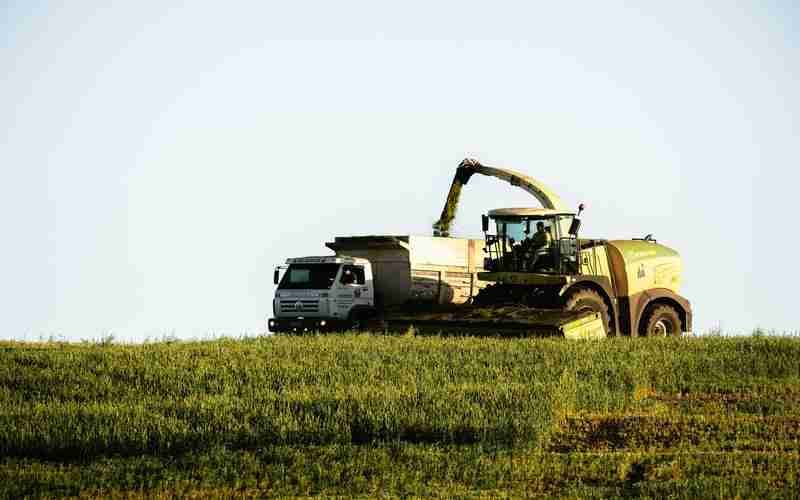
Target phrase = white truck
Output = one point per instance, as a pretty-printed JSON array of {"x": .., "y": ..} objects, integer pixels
[{"x": 370, "y": 275}]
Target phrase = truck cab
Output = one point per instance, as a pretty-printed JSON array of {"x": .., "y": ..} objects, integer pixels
[{"x": 321, "y": 293}]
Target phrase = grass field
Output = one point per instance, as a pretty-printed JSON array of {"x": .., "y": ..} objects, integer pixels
[{"x": 361, "y": 415}]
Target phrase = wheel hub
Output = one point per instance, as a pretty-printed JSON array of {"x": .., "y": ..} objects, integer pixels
[{"x": 661, "y": 328}]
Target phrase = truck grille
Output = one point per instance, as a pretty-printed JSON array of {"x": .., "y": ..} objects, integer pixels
[{"x": 299, "y": 305}]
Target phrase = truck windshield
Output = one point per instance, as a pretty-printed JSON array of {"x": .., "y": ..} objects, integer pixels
[{"x": 309, "y": 276}]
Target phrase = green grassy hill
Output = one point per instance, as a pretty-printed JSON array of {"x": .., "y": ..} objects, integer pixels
[{"x": 361, "y": 415}]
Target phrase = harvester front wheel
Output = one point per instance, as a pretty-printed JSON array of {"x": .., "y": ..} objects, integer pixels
[
  {"x": 661, "y": 321},
  {"x": 586, "y": 299}
]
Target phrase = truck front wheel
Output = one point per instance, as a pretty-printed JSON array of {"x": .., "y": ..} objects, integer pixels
[
  {"x": 359, "y": 319},
  {"x": 661, "y": 321}
]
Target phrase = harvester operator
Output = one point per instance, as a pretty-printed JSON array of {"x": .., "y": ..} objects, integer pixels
[
  {"x": 533, "y": 246},
  {"x": 541, "y": 238}
]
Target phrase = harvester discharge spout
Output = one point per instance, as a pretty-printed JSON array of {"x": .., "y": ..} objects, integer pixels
[{"x": 467, "y": 168}]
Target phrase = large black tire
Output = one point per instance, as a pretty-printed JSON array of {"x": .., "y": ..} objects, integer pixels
[
  {"x": 660, "y": 321},
  {"x": 586, "y": 299}
]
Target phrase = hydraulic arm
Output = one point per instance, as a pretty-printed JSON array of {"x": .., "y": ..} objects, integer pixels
[{"x": 467, "y": 168}]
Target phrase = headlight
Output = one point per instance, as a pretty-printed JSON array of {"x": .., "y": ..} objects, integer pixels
[{"x": 322, "y": 323}]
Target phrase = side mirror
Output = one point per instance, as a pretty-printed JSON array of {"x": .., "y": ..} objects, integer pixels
[
  {"x": 276, "y": 276},
  {"x": 574, "y": 227},
  {"x": 485, "y": 222},
  {"x": 528, "y": 226}
]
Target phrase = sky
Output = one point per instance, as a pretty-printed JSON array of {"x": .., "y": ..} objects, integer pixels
[{"x": 158, "y": 159}]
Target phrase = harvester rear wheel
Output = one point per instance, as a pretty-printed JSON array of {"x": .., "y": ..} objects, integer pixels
[
  {"x": 586, "y": 299},
  {"x": 661, "y": 321}
]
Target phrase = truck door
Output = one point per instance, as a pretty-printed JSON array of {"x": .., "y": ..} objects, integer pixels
[
  {"x": 363, "y": 292},
  {"x": 346, "y": 290},
  {"x": 352, "y": 290}
]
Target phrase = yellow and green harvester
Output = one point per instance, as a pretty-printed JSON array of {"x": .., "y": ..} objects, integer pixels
[{"x": 535, "y": 258}]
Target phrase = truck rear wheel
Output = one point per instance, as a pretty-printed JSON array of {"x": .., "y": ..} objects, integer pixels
[
  {"x": 586, "y": 299},
  {"x": 661, "y": 321}
]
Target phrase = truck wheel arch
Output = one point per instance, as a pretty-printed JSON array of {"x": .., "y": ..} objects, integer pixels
[{"x": 361, "y": 312}]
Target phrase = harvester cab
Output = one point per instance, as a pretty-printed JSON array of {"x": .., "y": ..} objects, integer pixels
[{"x": 536, "y": 240}]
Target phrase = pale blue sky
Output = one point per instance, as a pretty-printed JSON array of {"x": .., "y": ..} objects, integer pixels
[{"x": 156, "y": 163}]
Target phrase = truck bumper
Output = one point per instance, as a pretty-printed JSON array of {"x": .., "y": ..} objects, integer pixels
[{"x": 306, "y": 325}]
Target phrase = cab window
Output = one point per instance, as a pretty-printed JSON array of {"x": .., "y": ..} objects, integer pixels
[
  {"x": 359, "y": 271},
  {"x": 352, "y": 275}
]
